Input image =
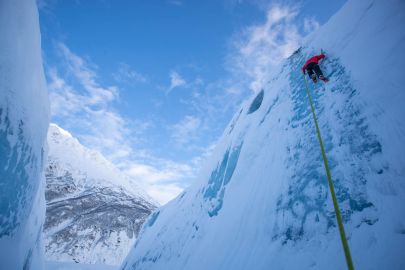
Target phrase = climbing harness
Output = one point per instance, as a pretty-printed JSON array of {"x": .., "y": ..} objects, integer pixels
[{"x": 331, "y": 187}]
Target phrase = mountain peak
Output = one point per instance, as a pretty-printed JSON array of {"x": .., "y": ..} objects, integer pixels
[
  {"x": 80, "y": 160},
  {"x": 57, "y": 131},
  {"x": 94, "y": 211}
]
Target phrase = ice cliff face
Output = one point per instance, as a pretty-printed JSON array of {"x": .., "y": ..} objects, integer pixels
[
  {"x": 23, "y": 124},
  {"x": 262, "y": 201},
  {"x": 93, "y": 212}
]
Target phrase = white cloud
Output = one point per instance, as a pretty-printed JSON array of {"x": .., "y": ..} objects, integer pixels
[
  {"x": 234, "y": 90},
  {"x": 164, "y": 179},
  {"x": 186, "y": 130},
  {"x": 164, "y": 193},
  {"x": 310, "y": 25},
  {"x": 82, "y": 104},
  {"x": 176, "y": 81},
  {"x": 261, "y": 48},
  {"x": 159, "y": 173},
  {"x": 176, "y": 2},
  {"x": 125, "y": 74},
  {"x": 87, "y": 78},
  {"x": 64, "y": 100}
]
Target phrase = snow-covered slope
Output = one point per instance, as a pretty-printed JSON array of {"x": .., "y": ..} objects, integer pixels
[
  {"x": 23, "y": 123},
  {"x": 77, "y": 266},
  {"x": 262, "y": 201},
  {"x": 94, "y": 212}
]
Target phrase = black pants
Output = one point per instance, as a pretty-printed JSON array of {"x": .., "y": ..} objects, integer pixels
[{"x": 314, "y": 67}]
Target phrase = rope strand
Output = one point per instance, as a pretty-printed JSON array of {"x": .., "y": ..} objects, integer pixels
[{"x": 331, "y": 187}]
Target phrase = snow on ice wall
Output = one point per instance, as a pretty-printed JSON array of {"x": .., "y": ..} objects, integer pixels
[
  {"x": 262, "y": 201},
  {"x": 23, "y": 126}
]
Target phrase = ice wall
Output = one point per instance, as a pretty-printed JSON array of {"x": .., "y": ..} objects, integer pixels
[
  {"x": 262, "y": 201},
  {"x": 24, "y": 120}
]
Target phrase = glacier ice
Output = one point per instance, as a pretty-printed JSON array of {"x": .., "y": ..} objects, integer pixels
[
  {"x": 256, "y": 102},
  {"x": 274, "y": 210},
  {"x": 24, "y": 119}
]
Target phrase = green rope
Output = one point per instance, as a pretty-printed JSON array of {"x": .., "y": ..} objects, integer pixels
[{"x": 331, "y": 187}]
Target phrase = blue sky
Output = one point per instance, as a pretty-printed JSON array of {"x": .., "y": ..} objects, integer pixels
[{"x": 153, "y": 84}]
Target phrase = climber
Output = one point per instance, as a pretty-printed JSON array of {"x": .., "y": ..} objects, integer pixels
[{"x": 312, "y": 65}]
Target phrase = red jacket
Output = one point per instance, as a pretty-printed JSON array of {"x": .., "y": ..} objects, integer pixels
[{"x": 314, "y": 59}]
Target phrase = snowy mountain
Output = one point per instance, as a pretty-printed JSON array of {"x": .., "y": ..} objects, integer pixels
[
  {"x": 93, "y": 211},
  {"x": 263, "y": 202},
  {"x": 24, "y": 119}
]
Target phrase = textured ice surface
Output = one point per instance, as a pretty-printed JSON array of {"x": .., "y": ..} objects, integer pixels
[
  {"x": 275, "y": 211},
  {"x": 23, "y": 125}
]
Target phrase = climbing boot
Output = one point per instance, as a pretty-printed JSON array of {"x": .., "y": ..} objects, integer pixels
[
  {"x": 323, "y": 78},
  {"x": 313, "y": 77}
]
